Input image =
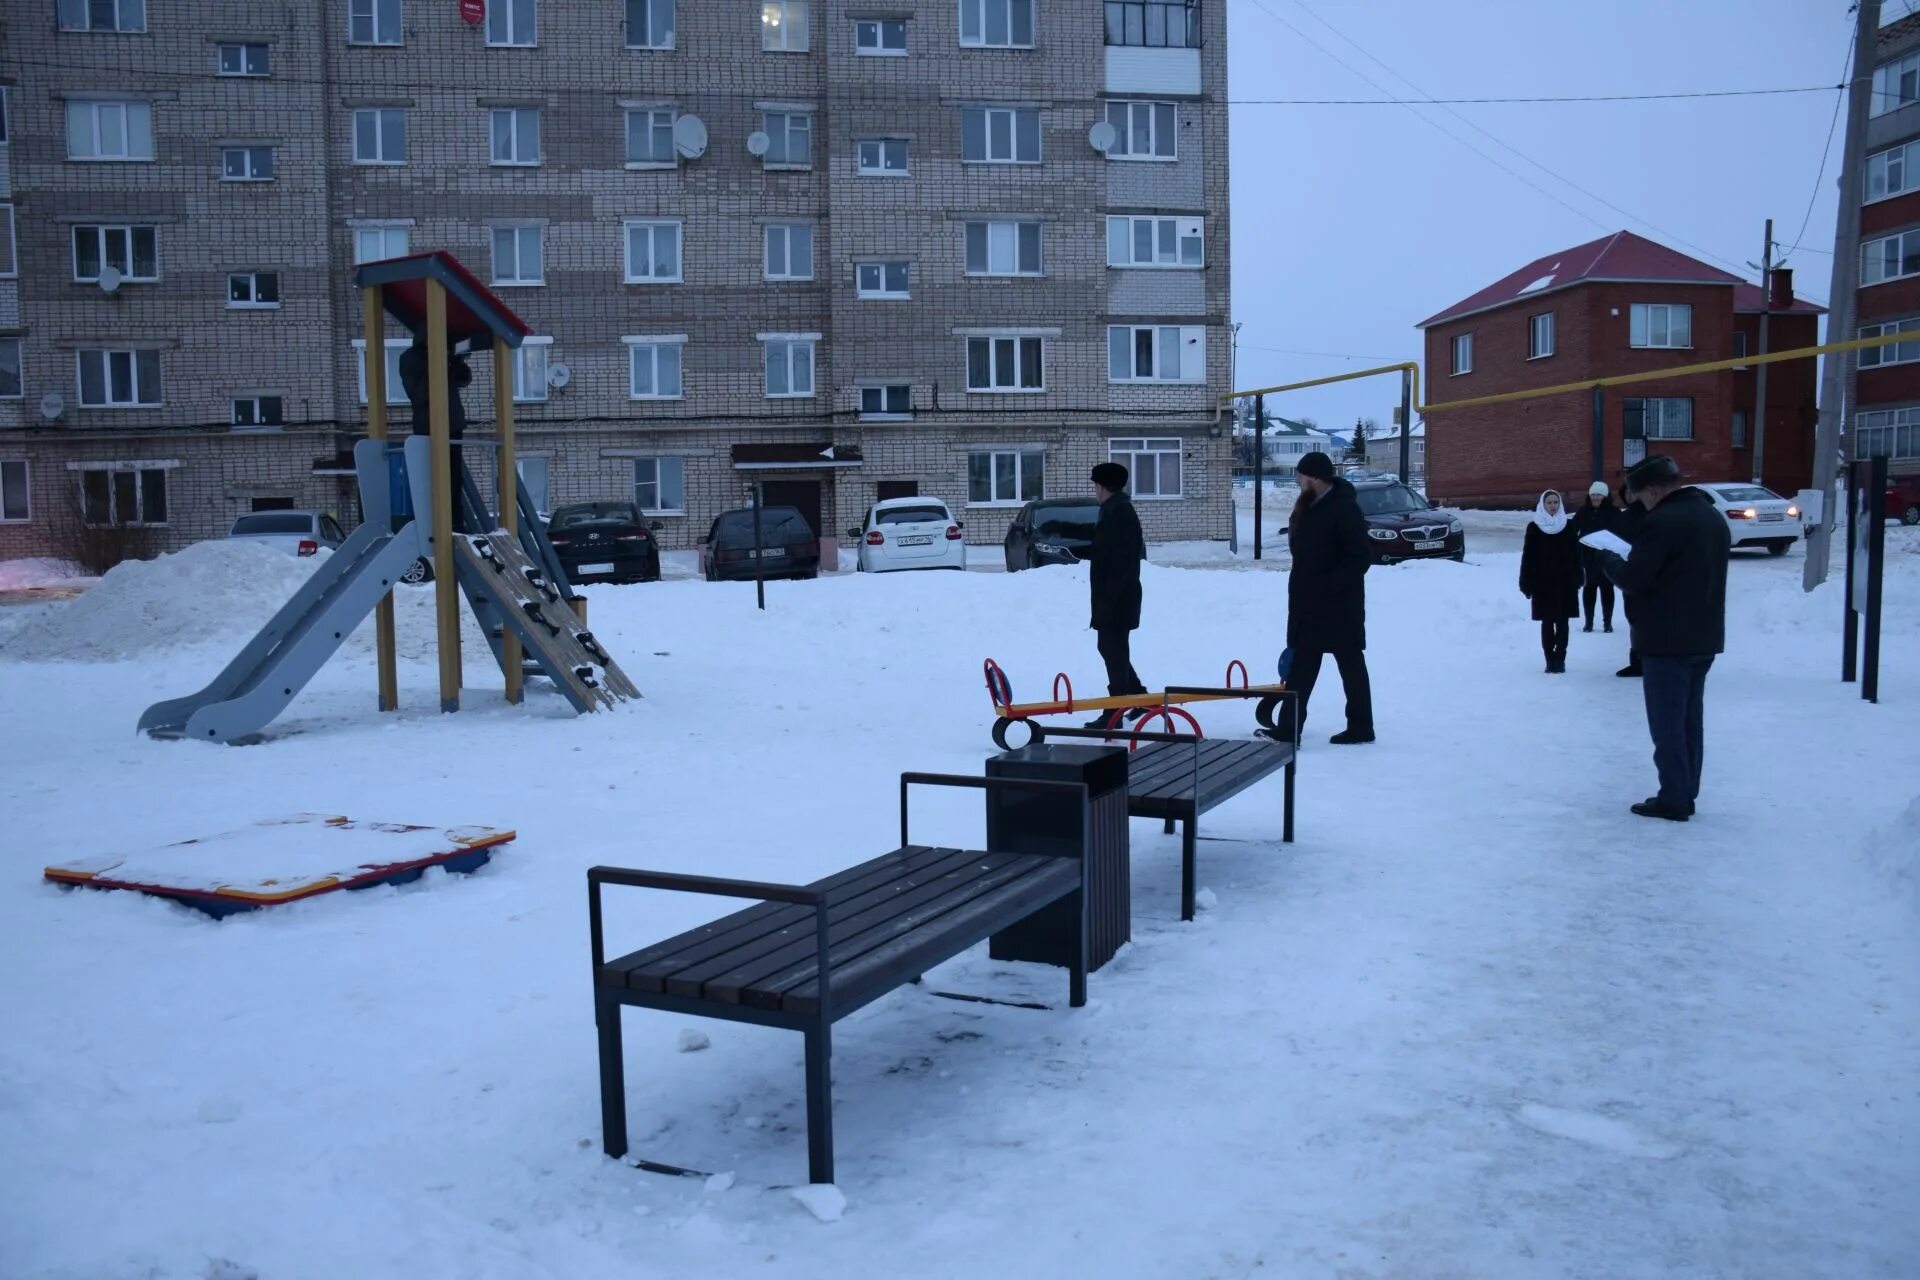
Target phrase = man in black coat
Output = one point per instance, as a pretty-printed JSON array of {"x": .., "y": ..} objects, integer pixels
[
  {"x": 1327, "y": 593},
  {"x": 1117, "y": 550},
  {"x": 1676, "y": 580},
  {"x": 1627, "y": 526}
]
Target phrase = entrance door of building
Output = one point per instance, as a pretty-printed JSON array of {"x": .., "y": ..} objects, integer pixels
[
  {"x": 802, "y": 495},
  {"x": 885, "y": 490}
]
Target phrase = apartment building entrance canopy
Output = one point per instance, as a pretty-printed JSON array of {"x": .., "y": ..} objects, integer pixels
[{"x": 796, "y": 457}]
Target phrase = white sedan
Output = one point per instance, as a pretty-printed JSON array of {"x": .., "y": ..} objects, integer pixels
[
  {"x": 1755, "y": 516},
  {"x": 910, "y": 533}
]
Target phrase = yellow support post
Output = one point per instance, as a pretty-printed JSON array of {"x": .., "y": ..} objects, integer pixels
[
  {"x": 510, "y": 659},
  {"x": 446, "y": 592},
  {"x": 373, "y": 305}
]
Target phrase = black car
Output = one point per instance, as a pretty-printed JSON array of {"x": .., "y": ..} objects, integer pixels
[
  {"x": 1051, "y": 531},
  {"x": 1402, "y": 525},
  {"x": 605, "y": 542},
  {"x": 789, "y": 548}
]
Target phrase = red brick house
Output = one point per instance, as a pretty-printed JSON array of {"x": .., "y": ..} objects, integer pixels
[{"x": 1621, "y": 304}]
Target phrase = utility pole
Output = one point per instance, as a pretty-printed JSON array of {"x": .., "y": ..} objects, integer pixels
[
  {"x": 1760, "y": 372},
  {"x": 1259, "y": 467},
  {"x": 1836, "y": 379}
]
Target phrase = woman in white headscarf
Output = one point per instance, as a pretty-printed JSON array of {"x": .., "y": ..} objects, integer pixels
[{"x": 1550, "y": 576}]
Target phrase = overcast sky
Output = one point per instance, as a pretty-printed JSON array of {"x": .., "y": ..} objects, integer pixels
[{"x": 1353, "y": 223}]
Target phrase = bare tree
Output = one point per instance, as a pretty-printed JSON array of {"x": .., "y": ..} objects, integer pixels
[{"x": 97, "y": 546}]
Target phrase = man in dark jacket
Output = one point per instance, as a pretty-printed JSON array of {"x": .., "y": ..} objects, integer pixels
[
  {"x": 1327, "y": 594},
  {"x": 1117, "y": 550},
  {"x": 1627, "y": 526},
  {"x": 1676, "y": 580}
]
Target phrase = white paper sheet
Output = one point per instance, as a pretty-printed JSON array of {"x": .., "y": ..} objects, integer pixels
[{"x": 1607, "y": 540}]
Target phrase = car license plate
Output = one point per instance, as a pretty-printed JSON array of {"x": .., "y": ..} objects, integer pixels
[
  {"x": 1430, "y": 546},
  {"x": 921, "y": 541},
  {"x": 771, "y": 554},
  {"x": 596, "y": 568},
  {"x": 1772, "y": 515}
]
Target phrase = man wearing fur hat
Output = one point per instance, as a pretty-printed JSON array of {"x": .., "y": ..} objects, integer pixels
[{"x": 1118, "y": 548}]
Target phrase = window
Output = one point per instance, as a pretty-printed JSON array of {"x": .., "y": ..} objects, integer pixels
[
  {"x": 258, "y": 411},
  {"x": 379, "y": 135},
  {"x": 517, "y": 256},
  {"x": 376, "y": 244},
  {"x": 9, "y": 258},
  {"x": 1659, "y": 418},
  {"x": 1540, "y": 336},
  {"x": 1892, "y": 171},
  {"x": 1739, "y": 428},
  {"x": 1894, "y": 353},
  {"x": 123, "y": 494},
  {"x": 1463, "y": 354},
  {"x": 883, "y": 157},
  {"x": 243, "y": 60},
  {"x": 246, "y": 164},
  {"x": 1895, "y": 84},
  {"x": 783, "y": 26},
  {"x": 653, "y": 252},
  {"x": 1891, "y": 258},
  {"x": 654, "y": 368},
  {"x": 515, "y": 135},
  {"x": 535, "y": 481},
  {"x": 791, "y": 136},
  {"x": 1005, "y": 478},
  {"x": 1000, "y": 135},
  {"x": 247, "y": 290},
  {"x": 1740, "y": 345},
  {"x": 650, "y": 137},
  {"x": 15, "y": 503},
  {"x": 1142, "y": 130},
  {"x": 1887, "y": 433},
  {"x": 132, "y": 251},
  {"x": 1154, "y": 465},
  {"x": 396, "y": 394},
  {"x": 660, "y": 485},
  {"x": 1155, "y": 242},
  {"x": 109, "y": 131},
  {"x": 1156, "y": 353},
  {"x": 3, "y": 113},
  {"x": 789, "y": 252},
  {"x": 1005, "y": 364},
  {"x": 1003, "y": 248},
  {"x": 996, "y": 24},
  {"x": 880, "y": 37},
  {"x": 789, "y": 365},
  {"x": 649, "y": 24},
  {"x": 1655, "y": 324},
  {"x": 373, "y": 22},
  {"x": 103, "y": 15},
  {"x": 880, "y": 279},
  {"x": 886, "y": 400},
  {"x": 118, "y": 378},
  {"x": 510, "y": 23},
  {"x": 530, "y": 370},
  {"x": 10, "y": 380},
  {"x": 1154, "y": 24}
]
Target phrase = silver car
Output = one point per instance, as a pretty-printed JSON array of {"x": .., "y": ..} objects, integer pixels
[{"x": 299, "y": 533}]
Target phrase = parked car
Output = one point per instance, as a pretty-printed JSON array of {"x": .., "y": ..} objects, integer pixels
[
  {"x": 605, "y": 542},
  {"x": 1402, "y": 525},
  {"x": 789, "y": 548},
  {"x": 1903, "y": 499},
  {"x": 909, "y": 533},
  {"x": 1051, "y": 531},
  {"x": 300, "y": 533},
  {"x": 1756, "y": 517}
]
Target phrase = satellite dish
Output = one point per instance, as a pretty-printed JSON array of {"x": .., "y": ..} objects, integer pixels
[
  {"x": 758, "y": 143},
  {"x": 690, "y": 137},
  {"x": 1102, "y": 136},
  {"x": 110, "y": 279},
  {"x": 558, "y": 376},
  {"x": 52, "y": 405}
]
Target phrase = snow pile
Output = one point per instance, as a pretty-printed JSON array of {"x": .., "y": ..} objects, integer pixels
[
  {"x": 1894, "y": 851},
  {"x": 41, "y": 571}
]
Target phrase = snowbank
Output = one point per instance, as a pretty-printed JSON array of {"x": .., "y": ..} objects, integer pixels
[
  {"x": 41, "y": 571},
  {"x": 1894, "y": 851}
]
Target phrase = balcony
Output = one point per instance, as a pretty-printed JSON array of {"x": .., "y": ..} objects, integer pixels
[{"x": 1153, "y": 46}]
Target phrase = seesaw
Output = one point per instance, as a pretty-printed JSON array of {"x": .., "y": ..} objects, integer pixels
[{"x": 1167, "y": 704}]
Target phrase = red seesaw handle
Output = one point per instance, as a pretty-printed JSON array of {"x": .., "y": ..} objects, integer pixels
[
  {"x": 1059, "y": 679},
  {"x": 1243, "y": 674},
  {"x": 999, "y": 688},
  {"x": 1168, "y": 713}
]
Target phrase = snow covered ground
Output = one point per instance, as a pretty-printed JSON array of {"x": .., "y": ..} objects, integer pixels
[{"x": 1478, "y": 1022}]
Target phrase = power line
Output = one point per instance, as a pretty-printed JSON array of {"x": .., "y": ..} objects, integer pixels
[
  {"x": 1826, "y": 153},
  {"x": 1590, "y": 97},
  {"x": 1325, "y": 355}
]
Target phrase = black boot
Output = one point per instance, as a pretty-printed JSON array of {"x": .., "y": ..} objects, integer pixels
[
  {"x": 1609, "y": 626},
  {"x": 1589, "y": 627}
]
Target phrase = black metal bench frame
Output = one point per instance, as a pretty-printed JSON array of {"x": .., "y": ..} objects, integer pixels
[
  {"x": 1185, "y": 809},
  {"x": 816, "y": 1024}
]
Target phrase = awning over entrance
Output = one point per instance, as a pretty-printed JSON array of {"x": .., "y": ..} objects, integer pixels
[{"x": 795, "y": 457}]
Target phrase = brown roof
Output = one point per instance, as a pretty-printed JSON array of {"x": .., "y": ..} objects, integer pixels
[{"x": 1620, "y": 256}]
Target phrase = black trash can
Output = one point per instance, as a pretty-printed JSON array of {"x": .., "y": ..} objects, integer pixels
[{"x": 1029, "y": 822}]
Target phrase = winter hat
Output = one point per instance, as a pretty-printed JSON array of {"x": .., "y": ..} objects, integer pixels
[
  {"x": 1549, "y": 523},
  {"x": 1655, "y": 469},
  {"x": 1598, "y": 489},
  {"x": 1110, "y": 476},
  {"x": 1315, "y": 465}
]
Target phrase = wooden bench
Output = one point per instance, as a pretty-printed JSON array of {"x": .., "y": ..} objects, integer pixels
[
  {"x": 1177, "y": 777},
  {"x": 867, "y": 930}
]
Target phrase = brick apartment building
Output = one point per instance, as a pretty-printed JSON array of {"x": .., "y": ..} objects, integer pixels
[
  {"x": 1886, "y": 399},
  {"x": 974, "y": 246},
  {"x": 1621, "y": 304}
]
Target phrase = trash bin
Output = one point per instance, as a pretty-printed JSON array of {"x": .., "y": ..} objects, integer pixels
[{"x": 1050, "y": 823}]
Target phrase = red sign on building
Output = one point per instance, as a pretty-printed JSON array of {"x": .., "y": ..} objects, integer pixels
[{"x": 474, "y": 12}]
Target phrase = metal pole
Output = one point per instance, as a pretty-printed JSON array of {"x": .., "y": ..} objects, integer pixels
[
  {"x": 1760, "y": 375},
  {"x": 508, "y": 465},
  {"x": 759, "y": 552},
  {"x": 1850, "y": 607},
  {"x": 446, "y": 591},
  {"x": 374, "y": 315},
  {"x": 1876, "y": 505},
  {"x": 1600, "y": 433},
  {"x": 1259, "y": 466},
  {"x": 1406, "y": 425},
  {"x": 1837, "y": 378}
]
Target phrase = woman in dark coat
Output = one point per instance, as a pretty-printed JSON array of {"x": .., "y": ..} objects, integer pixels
[
  {"x": 1598, "y": 516},
  {"x": 1550, "y": 577}
]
